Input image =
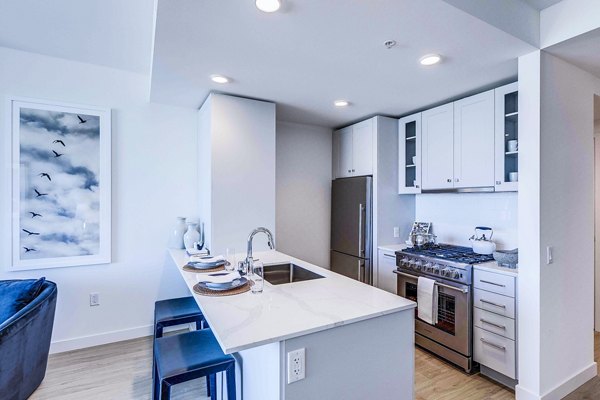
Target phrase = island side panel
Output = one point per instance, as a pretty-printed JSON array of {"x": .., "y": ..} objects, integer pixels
[
  {"x": 372, "y": 359},
  {"x": 260, "y": 372}
]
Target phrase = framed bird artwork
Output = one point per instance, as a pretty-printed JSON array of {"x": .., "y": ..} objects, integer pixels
[{"x": 60, "y": 184}]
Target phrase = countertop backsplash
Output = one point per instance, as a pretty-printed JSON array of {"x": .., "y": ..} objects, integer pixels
[{"x": 455, "y": 216}]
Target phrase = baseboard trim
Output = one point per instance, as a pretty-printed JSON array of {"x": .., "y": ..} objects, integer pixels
[
  {"x": 61, "y": 346},
  {"x": 562, "y": 389}
]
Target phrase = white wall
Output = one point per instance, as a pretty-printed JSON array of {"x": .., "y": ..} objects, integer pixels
[
  {"x": 556, "y": 349},
  {"x": 237, "y": 136},
  {"x": 455, "y": 216},
  {"x": 303, "y": 194},
  {"x": 153, "y": 175}
]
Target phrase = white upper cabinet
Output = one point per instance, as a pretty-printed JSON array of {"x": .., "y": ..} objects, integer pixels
[
  {"x": 474, "y": 141},
  {"x": 437, "y": 132},
  {"x": 353, "y": 150},
  {"x": 362, "y": 148},
  {"x": 507, "y": 137},
  {"x": 409, "y": 154}
]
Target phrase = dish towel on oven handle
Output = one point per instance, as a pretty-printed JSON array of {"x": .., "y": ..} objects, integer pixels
[{"x": 427, "y": 300}]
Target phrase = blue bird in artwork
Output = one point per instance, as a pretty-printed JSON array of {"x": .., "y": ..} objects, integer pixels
[
  {"x": 45, "y": 175},
  {"x": 40, "y": 194},
  {"x": 30, "y": 233},
  {"x": 56, "y": 155},
  {"x": 59, "y": 141},
  {"x": 81, "y": 120},
  {"x": 34, "y": 214},
  {"x": 28, "y": 249}
]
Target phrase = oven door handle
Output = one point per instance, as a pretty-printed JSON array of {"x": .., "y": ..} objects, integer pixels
[{"x": 458, "y": 289}]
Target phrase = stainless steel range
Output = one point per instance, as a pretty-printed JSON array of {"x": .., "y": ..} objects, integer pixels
[{"x": 451, "y": 268}]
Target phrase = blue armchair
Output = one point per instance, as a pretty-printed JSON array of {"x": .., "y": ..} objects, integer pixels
[{"x": 24, "y": 344}]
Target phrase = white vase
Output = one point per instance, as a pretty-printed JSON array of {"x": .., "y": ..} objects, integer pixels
[
  {"x": 176, "y": 238},
  {"x": 191, "y": 236}
]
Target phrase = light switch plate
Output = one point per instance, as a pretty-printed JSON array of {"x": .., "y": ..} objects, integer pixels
[
  {"x": 396, "y": 231},
  {"x": 549, "y": 255}
]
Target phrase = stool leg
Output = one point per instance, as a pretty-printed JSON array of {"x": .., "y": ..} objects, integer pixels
[
  {"x": 213, "y": 386},
  {"x": 208, "y": 385},
  {"x": 158, "y": 331},
  {"x": 230, "y": 373},
  {"x": 155, "y": 381},
  {"x": 165, "y": 391}
]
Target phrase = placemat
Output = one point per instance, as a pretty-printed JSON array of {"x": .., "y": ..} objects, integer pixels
[
  {"x": 207, "y": 292},
  {"x": 192, "y": 269}
]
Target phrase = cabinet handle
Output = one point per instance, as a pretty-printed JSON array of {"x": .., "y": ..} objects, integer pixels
[
  {"x": 417, "y": 186},
  {"x": 448, "y": 180},
  {"x": 349, "y": 171},
  {"x": 498, "y": 183},
  {"x": 492, "y": 304},
  {"x": 352, "y": 170},
  {"x": 457, "y": 180},
  {"x": 493, "y": 344},
  {"x": 483, "y": 321},
  {"x": 389, "y": 255},
  {"x": 492, "y": 283}
]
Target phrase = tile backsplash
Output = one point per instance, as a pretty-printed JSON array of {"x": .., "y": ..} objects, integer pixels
[{"x": 455, "y": 216}]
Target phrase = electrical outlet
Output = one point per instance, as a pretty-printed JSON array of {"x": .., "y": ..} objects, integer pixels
[
  {"x": 296, "y": 365},
  {"x": 94, "y": 299},
  {"x": 396, "y": 231}
]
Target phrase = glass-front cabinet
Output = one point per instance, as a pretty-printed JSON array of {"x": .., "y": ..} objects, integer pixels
[
  {"x": 507, "y": 138},
  {"x": 409, "y": 154}
]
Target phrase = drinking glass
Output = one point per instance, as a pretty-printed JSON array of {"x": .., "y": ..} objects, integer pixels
[
  {"x": 257, "y": 277},
  {"x": 231, "y": 263}
]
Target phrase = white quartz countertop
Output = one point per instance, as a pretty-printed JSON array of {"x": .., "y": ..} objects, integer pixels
[
  {"x": 285, "y": 311},
  {"x": 493, "y": 266}
]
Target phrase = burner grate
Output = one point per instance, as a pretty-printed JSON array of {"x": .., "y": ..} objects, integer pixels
[{"x": 451, "y": 253}]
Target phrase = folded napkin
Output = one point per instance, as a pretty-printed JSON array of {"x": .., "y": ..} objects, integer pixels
[
  {"x": 206, "y": 259},
  {"x": 219, "y": 277},
  {"x": 427, "y": 300}
]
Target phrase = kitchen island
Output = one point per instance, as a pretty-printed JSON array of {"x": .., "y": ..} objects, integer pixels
[{"x": 358, "y": 340}]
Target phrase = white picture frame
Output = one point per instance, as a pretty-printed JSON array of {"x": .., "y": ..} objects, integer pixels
[{"x": 76, "y": 195}]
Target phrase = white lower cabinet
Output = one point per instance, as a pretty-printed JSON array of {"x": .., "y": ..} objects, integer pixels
[
  {"x": 495, "y": 352},
  {"x": 386, "y": 265},
  {"x": 495, "y": 323}
]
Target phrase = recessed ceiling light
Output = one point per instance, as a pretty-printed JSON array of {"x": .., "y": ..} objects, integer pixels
[
  {"x": 219, "y": 79},
  {"x": 341, "y": 103},
  {"x": 268, "y": 6},
  {"x": 430, "y": 59}
]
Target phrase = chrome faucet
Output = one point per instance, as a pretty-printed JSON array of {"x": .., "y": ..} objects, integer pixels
[{"x": 247, "y": 264}]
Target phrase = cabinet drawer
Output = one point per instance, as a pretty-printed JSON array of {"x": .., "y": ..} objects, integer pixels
[
  {"x": 386, "y": 279},
  {"x": 495, "y": 323},
  {"x": 496, "y": 303},
  {"x": 496, "y": 283},
  {"x": 495, "y": 352}
]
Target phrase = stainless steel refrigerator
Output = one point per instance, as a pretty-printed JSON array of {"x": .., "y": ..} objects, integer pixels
[{"x": 351, "y": 228}]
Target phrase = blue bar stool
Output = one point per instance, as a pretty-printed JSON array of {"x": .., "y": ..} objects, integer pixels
[
  {"x": 181, "y": 358},
  {"x": 182, "y": 310}
]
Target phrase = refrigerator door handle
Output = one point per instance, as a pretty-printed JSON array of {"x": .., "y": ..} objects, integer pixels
[
  {"x": 362, "y": 273},
  {"x": 361, "y": 251}
]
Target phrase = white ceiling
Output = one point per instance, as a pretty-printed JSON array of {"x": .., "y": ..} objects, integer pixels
[
  {"x": 314, "y": 52},
  {"x": 541, "y": 4},
  {"x": 113, "y": 33},
  {"x": 582, "y": 51}
]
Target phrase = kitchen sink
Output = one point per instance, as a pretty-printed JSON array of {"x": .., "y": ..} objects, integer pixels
[{"x": 277, "y": 274}]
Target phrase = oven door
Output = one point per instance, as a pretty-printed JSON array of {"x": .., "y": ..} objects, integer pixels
[{"x": 453, "y": 328}]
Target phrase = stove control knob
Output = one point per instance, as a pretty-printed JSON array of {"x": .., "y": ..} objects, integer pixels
[
  {"x": 427, "y": 267},
  {"x": 435, "y": 269},
  {"x": 417, "y": 265},
  {"x": 456, "y": 274}
]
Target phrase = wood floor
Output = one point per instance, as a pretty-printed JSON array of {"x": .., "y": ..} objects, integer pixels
[{"x": 120, "y": 371}]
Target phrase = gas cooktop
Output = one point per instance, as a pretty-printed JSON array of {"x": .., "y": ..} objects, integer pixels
[{"x": 458, "y": 254}]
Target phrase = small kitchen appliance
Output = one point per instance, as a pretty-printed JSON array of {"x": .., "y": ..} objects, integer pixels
[
  {"x": 481, "y": 243},
  {"x": 451, "y": 269}
]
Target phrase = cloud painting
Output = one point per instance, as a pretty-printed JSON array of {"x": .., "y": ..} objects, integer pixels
[{"x": 59, "y": 184}]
